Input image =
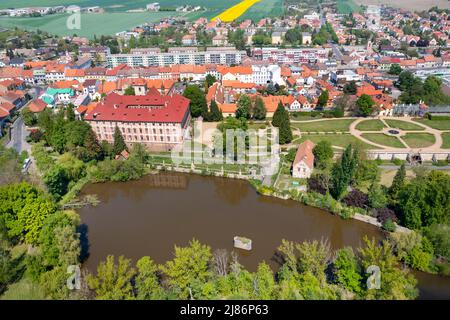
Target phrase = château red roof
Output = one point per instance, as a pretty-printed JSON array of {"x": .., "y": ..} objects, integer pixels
[{"x": 147, "y": 108}]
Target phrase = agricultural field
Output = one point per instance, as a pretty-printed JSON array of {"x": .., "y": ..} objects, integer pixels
[
  {"x": 119, "y": 5},
  {"x": 235, "y": 11},
  {"x": 91, "y": 24},
  {"x": 264, "y": 9},
  {"x": 412, "y": 5},
  {"x": 347, "y": 6},
  {"x": 115, "y": 18}
]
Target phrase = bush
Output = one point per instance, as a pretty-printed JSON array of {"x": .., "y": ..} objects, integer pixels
[
  {"x": 389, "y": 225},
  {"x": 385, "y": 214},
  {"x": 398, "y": 162},
  {"x": 356, "y": 198},
  {"x": 347, "y": 213}
]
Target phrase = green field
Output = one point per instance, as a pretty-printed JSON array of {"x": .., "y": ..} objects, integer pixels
[
  {"x": 347, "y": 6},
  {"x": 264, "y": 9},
  {"x": 91, "y": 24},
  {"x": 436, "y": 124},
  {"x": 324, "y": 125},
  {"x": 370, "y": 125},
  {"x": 337, "y": 140},
  {"x": 116, "y": 5},
  {"x": 403, "y": 125},
  {"x": 419, "y": 140},
  {"x": 114, "y": 20},
  {"x": 385, "y": 140},
  {"x": 446, "y": 142}
]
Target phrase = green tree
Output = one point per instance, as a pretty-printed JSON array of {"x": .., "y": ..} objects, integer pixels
[
  {"x": 70, "y": 113},
  {"x": 398, "y": 182},
  {"x": 323, "y": 98},
  {"x": 29, "y": 118},
  {"x": 265, "y": 285},
  {"x": 395, "y": 69},
  {"x": 243, "y": 107},
  {"x": 396, "y": 283},
  {"x": 350, "y": 87},
  {"x": 147, "y": 281},
  {"x": 425, "y": 200},
  {"x": 323, "y": 153},
  {"x": 347, "y": 270},
  {"x": 119, "y": 143},
  {"x": 377, "y": 196},
  {"x": 259, "y": 111},
  {"x": 57, "y": 181},
  {"x": 56, "y": 249},
  {"x": 282, "y": 121},
  {"x": 190, "y": 265},
  {"x": 129, "y": 91},
  {"x": 365, "y": 105},
  {"x": 113, "y": 282},
  {"x": 209, "y": 80},
  {"x": 197, "y": 102},
  {"x": 215, "y": 113},
  {"x": 344, "y": 171}
]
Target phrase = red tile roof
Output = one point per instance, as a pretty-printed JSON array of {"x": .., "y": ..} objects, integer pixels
[
  {"x": 305, "y": 153},
  {"x": 150, "y": 108},
  {"x": 37, "y": 105}
]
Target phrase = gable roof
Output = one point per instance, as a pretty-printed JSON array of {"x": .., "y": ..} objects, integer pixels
[{"x": 305, "y": 154}]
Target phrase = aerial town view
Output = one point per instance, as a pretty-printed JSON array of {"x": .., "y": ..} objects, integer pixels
[{"x": 225, "y": 150}]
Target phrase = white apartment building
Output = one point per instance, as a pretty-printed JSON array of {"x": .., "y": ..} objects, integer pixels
[{"x": 154, "y": 57}]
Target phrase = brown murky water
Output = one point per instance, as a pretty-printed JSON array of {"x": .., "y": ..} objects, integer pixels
[{"x": 151, "y": 215}]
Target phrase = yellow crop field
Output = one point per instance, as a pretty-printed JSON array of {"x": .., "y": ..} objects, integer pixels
[{"x": 235, "y": 11}]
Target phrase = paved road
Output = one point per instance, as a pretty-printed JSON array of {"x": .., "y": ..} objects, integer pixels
[
  {"x": 336, "y": 52},
  {"x": 18, "y": 136}
]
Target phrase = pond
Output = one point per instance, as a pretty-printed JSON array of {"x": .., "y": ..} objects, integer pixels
[{"x": 151, "y": 215}]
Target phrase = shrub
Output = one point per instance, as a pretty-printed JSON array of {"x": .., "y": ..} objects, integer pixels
[
  {"x": 356, "y": 198},
  {"x": 389, "y": 225},
  {"x": 347, "y": 213},
  {"x": 384, "y": 214}
]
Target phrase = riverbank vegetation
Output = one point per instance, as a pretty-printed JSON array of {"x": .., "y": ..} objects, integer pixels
[
  {"x": 421, "y": 204},
  {"x": 308, "y": 270}
]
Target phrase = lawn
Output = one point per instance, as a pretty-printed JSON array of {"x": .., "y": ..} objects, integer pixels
[
  {"x": 341, "y": 125},
  {"x": 403, "y": 125},
  {"x": 419, "y": 140},
  {"x": 446, "y": 142},
  {"x": 436, "y": 124},
  {"x": 385, "y": 140},
  {"x": 337, "y": 140},
  {"x": 370, "y": 125}
]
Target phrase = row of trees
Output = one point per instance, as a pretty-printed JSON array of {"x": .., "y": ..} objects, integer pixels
[
  {"x": 308, "y": 270},
  {"x": 248, "y": 109},
  {"x": 415, "y": 90}
]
